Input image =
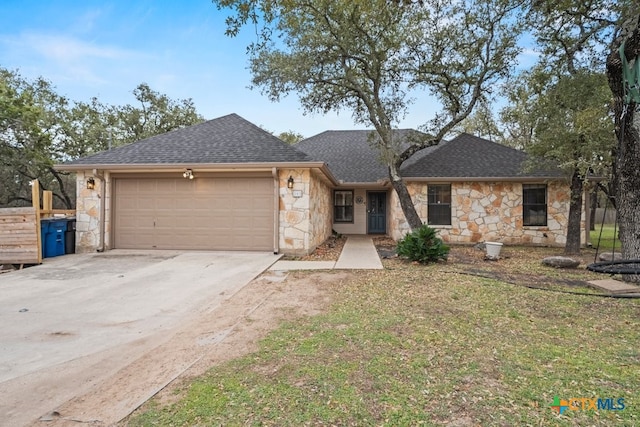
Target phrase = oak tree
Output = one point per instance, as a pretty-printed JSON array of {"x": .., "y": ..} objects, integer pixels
[{"x": 372, "y": 58}]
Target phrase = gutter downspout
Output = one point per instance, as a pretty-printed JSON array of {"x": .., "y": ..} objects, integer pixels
[
  {"x": 103, "y": 195},
  {"x": 276, "y": 211}
]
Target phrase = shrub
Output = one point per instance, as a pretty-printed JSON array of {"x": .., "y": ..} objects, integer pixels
[{"x": 422, "y": 245}]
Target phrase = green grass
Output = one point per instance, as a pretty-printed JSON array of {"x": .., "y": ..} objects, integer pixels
[
  {"x": 414, "y": 345},
  {"x": 607, "y": 239}
]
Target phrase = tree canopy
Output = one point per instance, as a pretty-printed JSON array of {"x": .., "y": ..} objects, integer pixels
[
  {"x": 291, "y": 137},
  {"x": 39, "y": 128},
  {"x": 372, "y": 58}
]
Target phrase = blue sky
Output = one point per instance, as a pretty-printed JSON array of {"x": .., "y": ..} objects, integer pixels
[{"x": 106, "y": 48}]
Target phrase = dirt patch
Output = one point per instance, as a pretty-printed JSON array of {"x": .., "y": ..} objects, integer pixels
[{"x": 214, "y": 335}]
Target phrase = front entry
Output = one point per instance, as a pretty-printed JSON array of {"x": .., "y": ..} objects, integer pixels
[{"x": 377, "y": 212}]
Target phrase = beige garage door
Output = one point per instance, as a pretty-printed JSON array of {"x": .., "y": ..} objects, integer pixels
[{"x": 230, "y": 213}]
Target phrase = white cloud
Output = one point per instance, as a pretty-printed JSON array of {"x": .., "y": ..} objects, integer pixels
[
  {"x": 70, "y": 62},
  {"x": 66, "y": 48}
]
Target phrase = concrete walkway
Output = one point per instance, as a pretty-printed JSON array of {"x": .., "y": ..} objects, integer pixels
[{"x": 358, "y": 253}]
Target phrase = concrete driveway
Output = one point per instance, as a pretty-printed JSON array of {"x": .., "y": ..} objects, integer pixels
[{"x": 83, "y": 310}]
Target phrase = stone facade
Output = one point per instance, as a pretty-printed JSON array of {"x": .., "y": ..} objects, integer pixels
[
  {"x": 490, "y": 211},
  {"x": 481, "y": 211},
  {"x": 88, "y": 205},
  {"x": 321, "y": 209},
  {"x": 305, "y": 211},
  {"x": 304, "y": 222}
]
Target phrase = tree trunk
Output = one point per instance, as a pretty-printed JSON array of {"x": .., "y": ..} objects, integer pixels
[
  {"x": 572, "y": 247},
  {"x": 408, "y": 208},
  {"x": 626, "y": 173},
  {"x": 627, "y": 182},
  {"x": 63, "y": 196}
]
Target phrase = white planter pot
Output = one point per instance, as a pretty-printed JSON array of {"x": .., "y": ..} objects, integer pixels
[{"x": 493, "y": 249}]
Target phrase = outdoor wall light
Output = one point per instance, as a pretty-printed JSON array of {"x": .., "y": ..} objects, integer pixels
[
  {"x": 91, "y": 183},
  {"x": 290, "y": 182},
  {"x": 187, "y": 174}
]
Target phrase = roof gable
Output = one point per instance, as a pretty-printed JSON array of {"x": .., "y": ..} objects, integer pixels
[
  {"x": 227, "y": 139},
  {"x": 468, "y": 156}
]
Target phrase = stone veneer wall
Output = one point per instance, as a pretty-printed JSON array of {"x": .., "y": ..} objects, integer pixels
[
  {"x": 305, "y": 221},
  {"x": 88, "y": 213},
  {"x": 490, "y": 211},
  {"x": 320, "y": 209}
]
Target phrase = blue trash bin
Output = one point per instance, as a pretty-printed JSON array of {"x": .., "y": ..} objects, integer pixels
[
  {"x": 53, "y": 237},
  {"x": 44, "y": 229}
]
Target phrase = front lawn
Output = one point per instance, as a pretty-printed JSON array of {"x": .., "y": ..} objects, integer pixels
[
  {"x": 461, "y": 343},
  {"x": 606, "y": 236}
]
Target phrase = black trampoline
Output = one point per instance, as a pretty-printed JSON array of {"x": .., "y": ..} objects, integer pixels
[{"x": 629, "y": 266}]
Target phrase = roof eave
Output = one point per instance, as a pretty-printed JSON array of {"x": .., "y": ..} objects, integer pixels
[
  {"x": 199, "y": 167},
  {"x": 485, "y": 178},
  {"x": 150, "y": 167},
  {"x": 364, "y": 184}
]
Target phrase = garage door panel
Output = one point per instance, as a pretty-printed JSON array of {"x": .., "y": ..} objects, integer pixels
[
  {"x": 165, "y": 203},
  {"x": 138, "y": 240},
  {"x": 203, "y": 213},
  {"x": 147, "y": 185}
]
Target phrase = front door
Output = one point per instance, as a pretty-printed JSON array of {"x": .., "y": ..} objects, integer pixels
[{"x": 377, "y": 212}]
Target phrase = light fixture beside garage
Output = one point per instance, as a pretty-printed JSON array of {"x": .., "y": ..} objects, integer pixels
[
  {"x": 91, "y": 183},
  {"x": 187, "y": 174},
  {"x": 290, "y": 182}
]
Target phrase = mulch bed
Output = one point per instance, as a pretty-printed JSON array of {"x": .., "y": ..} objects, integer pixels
[
  {"x": 329, "y": 250},
  {"x": 521, "y": 265}
]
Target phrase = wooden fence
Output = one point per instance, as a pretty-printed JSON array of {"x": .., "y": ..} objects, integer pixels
[
  {"x": 609, "y": 216},
  {"x": 20, "y": 240},
  {"x": 19, "y": 236}
]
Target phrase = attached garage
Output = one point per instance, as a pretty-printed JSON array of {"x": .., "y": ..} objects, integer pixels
[
  {"x": 205, "y": 213},
  {"x": 250, "y": 192}
]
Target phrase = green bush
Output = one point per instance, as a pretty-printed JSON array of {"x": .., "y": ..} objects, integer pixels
[{"x": 423, "y": 245}]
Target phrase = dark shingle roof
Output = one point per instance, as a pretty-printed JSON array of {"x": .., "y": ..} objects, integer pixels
[
  {"x": 467, "y": 156},
  {"x": 228, "y": 139},
  {"x": 348, "y": 154},
  {"x": 351, "y": 158}
]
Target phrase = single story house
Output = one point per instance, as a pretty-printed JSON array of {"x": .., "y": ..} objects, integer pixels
[{"x": 227, "y": 184}]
